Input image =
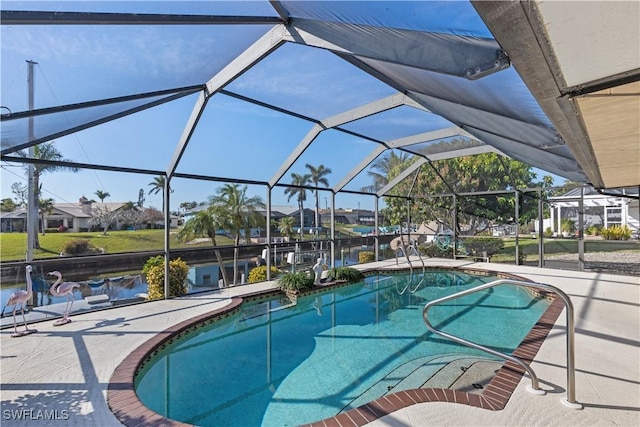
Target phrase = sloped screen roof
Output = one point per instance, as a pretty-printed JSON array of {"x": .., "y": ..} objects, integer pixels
[{"x": 377, "y": 75}]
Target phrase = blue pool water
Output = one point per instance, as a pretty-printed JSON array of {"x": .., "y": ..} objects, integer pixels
[{"x": 277, "y": 366}]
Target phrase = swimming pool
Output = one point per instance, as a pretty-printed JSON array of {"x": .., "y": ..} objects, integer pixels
[{"x": 276, "y": 363}]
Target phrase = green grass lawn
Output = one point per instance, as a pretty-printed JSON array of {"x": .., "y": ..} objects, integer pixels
[
  {"x": 13, "y": 246},
  {"x": 529, "y": 247}
]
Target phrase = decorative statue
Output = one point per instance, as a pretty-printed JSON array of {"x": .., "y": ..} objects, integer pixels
[
  {"x": 63, "y": 289},
  {"x": 20, "y": 298},
  {"x": 317, "y": 269}
]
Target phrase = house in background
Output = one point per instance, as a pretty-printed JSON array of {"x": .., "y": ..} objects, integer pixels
[
  {"x": 14, "y": 221},
  {"x": 599, "y": 209},
  {"x": 81, "y": 216}
]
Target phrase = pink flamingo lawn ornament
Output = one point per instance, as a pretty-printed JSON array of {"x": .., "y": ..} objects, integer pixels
[
  {"x": 20, "y": 298},
  {"x": 63, "y": 289}
]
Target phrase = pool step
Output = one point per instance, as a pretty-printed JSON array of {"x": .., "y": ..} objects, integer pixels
[
  {"x": 469, "y": 374},
  {"x": 406, "y": 376}
]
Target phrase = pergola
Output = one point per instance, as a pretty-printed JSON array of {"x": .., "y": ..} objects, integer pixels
[{"x": 552, "y": 84}]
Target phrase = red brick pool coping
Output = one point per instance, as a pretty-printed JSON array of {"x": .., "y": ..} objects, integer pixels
[{"x": 130, "y": 411}]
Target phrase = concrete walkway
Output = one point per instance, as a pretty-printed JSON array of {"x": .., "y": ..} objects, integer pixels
[{"x": 58, "y": 376}]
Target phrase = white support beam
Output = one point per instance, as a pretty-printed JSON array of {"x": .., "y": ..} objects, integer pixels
[
  {"x": 471, "y": 151},
  {"x": 243, "y": 62},
  {"x": 357, "y": 113},
  {"x": 366, "y": 110},
  {"x": 431, "y": 136},
  {"x": 408, "y": 171},
  {"x": 355, "y": 171},
  {"x": 266, "y": 44},
  {"x": 295, "y": 154}
]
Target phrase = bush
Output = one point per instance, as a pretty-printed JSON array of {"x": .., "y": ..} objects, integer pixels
[
  {"x": 351, "y": 275},
  {"x": 154, "y": 272},
  {"x": 434, "y": 251},
  {"x": 548, "y": 232},
  {"x": 259, "y": 274},
  {"x": 299, "y": 281},
  {"x": 567, "y": 225},
  {"x": 366, "y": 256},
  {"x": 593, "y": 230},
  {"x": 477, "y": 245},
  {"x": 79, "y": 247},
  {"x": 50, "y": 230},
  {"x": 616, "y": 232}
]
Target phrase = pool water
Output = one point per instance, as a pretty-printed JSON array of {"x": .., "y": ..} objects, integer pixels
[{"x": 279, "y": 364}]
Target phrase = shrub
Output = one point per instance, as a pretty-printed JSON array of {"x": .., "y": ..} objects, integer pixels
[
  {"x": 351, "y": 275},
  {"x": 259, "y": 274},
  {"x": 477, "y": 245},
  {"x": 593, "y": 230},
  {"x": 79, "y": 247},
  {"x": 154, "y": 272},
  {"x": 616, "y": 232},
  {"x": 435, "y": 252},
  {"x": 366, "y": 256},
  {"x": 567, "y": 225},
  {"x": 548, "y": 232},
  {"x": 298, "y": 281}
]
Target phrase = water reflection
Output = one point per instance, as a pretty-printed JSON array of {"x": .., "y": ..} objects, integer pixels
[{"x": 116, "y": 288}]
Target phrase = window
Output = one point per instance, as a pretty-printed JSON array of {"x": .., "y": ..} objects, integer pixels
[{"x": 613, "y": 216}]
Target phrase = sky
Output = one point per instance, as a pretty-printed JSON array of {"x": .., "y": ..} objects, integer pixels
[{"x": 233, "y": 139}]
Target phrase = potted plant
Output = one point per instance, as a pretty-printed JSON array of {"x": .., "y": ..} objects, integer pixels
[
  {"x": 568, "y": 227},
  {"x": 294, "y": 283},
  {"x": 350, "y": 274}
]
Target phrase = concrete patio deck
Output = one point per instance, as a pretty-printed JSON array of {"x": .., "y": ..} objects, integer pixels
[{"x": 59, "y": 376}]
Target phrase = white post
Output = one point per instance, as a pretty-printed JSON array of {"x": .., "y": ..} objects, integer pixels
[{"x": 32, "y": 197}]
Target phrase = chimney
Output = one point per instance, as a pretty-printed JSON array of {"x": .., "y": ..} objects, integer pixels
[{"x": 85, "y": 204}]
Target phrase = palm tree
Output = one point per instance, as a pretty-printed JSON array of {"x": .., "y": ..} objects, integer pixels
[
  {"x": 238, "y": 213},
  {"x": 205, "y": 222},
  {"x": 44, "y": 206},
  {"x": 102, "y": 195},
  {"x": 301, "y": 193},
  {"x": 285, "y": 226},
  {"x": 46, "y": 151},
  {"x": 381, "y": 169},
  {"x": 317, "y": 177},
  {"x": 157, "y": 186}
]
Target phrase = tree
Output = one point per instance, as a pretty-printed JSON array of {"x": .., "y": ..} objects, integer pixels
[
  {"x": 188, "y": 205},
  {"x": 103, "y": 217},
  {"x": 46, "y": 151},
  {"x": 7, "y": 205},
  {"x": 102, "y": 195},
  {"x": 130, "y": 214},
  {"x": 383, "y": 168},
  {"x": 205, "y": 222},
  {"x": 238, "y": 213},
  {"x": 300, "y": 193},
  {"x": 44, "y": 206},
  {"x": 21, "y": 192},
  {"x": 317, "y": 177},
  {"x": 484, "y": 172},
  {"x": 157, "y": 186},
  {"x": 152, "y": 216},
  {"x": 285, "y": 226}
]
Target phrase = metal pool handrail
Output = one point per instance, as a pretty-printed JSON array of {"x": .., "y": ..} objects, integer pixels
[
  {"x": 413, "y": 249},
  {"x": 570, "y": 399}
]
